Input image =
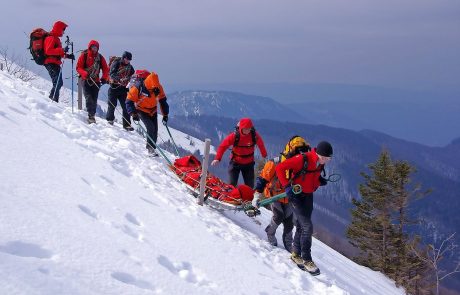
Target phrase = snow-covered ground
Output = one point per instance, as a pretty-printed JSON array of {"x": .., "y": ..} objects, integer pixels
[{"x": 83, "y": 210}]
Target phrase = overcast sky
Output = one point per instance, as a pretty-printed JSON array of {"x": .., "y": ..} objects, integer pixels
[{"x": 397, "y": 43}]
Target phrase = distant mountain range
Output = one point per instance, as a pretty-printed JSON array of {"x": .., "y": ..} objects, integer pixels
[
  {"x": 424, "y": 117},
  {"x": 231, "y": 105}
]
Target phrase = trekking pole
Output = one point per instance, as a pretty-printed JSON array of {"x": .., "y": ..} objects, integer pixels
[
  {"x": 59, "y": 77},
  {"x": 67, "y": 41},
  {"x": 172, "y": 139}
]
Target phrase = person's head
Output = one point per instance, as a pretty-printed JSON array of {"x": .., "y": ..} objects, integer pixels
[
  {"x": 245, "y": 126},
  {"x": 127, "y": 57},
  {"x": 324, "y": 152},
  {"x": 93, "y": 46},
  {"x": 59, "y": 28},
  {"x": 295, "y": 146}
]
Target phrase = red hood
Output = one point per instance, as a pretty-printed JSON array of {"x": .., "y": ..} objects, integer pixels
[
  {"x": 93, "y": 42},
  {"x": 58, "y": 28},
  {"x": 245, "y": 123}
]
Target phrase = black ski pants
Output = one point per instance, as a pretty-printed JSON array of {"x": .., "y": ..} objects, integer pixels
[
  {"x": 302, "y": 205},
  {"x": 247, "y": 170},
  {"x": 282, "y": 213},
  {"x": 151, "y": 124},
  {"x": 114, "y": 95},
  {"x": 91, "y": 92},
  {"x": 54, "y": 71}
]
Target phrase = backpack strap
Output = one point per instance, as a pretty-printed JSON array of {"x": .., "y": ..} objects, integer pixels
[{"x": 304, "y": 171}]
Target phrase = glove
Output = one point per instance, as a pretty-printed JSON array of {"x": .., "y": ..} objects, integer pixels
[
  {"x": 135, "y": 116},
  {"x": 322, "y": 181},
  {"x": 70, "y": 56},
  {"x": 289, "y": 192},
  {"x": 156, "y": 91},
  {"x": 256, "y": 199},
  {"x": 66, "y": 49},
  {"x": 165, "y": 120},
  {"x": 215, "y": 162},
  {"x": 103, "y": 81}
]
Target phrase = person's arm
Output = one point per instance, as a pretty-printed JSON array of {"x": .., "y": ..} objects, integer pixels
[
  {"x": 261, "y": 145},
  {"x": 132, "y": 97},
  {"x": 114, "y": 71},
  {"x": 267, "y": 174},
  {"x": 80, "y": 67},
  {"x": 294, "y": 164},
  {"x": 105, "y": 69},
  {"x": 49, "y": 47},
  {"x": 224, "y": 145}
]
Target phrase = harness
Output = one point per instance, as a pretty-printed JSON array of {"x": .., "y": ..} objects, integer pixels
[
  {"x": 237, "y": 140},
  {"x": 304, "y": 171},
  {"x": 93, "y": 70}
]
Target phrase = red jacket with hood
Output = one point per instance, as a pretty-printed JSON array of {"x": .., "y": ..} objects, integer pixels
[
  {"x": 309, "y": 181},
  {"x": 243, "y": 153},
  {"x": 52, "y": 45},
  {"x": 88, "y": 67}
]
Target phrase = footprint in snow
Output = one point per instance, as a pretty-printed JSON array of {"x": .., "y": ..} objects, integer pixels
[
  {"x": 17, "y": 111},
  {"x": 131, "y": 280},
  {"x": 88, "y": 211},
  {"x": 23, "y": 249},
  {"x": 131, "y": 218},
  {"x": 132, "y": 233},
  {"x": 186, "y": 272}
]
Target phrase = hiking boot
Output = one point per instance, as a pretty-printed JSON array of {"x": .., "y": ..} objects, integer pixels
[
  {"x": 110, "y": 122},
  {"x": 128, "y": 128},
  {"x": 297, "y": 260},
  {"x": 311, "y": 267},
  {"x": 272, "y": 240},
  {"x": 152, "y": 152},
  {"x": 91, "y": 119}
]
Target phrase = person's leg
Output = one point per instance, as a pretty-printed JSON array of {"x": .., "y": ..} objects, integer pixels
[
  {"x": 248, "y": 174},
  {"x": 56, "y": 78},
  {"x": 122, "y": 98},
  {"x": 302, "y": 206},
  {"x": 111, "y": 105},
  {"x": 233, "y": 173},
  {"x": 276, "y": 220},
  {"x": 151, "y": 124},
  {"x": 288, "y": 226},
  {"x": 91, "y": 92}
]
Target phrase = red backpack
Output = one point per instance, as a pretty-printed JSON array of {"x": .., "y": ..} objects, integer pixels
[{"x": 37, "y": 40}]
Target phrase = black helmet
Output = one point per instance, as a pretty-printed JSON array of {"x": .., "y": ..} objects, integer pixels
[{"x": 127, "y": 55}]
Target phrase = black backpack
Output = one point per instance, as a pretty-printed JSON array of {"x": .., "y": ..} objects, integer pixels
[{"x": 37, "y": 44}]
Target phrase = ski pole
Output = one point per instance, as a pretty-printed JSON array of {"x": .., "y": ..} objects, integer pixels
[
  {"x": 172, "y": 139},
  {"x": 59, "y": 77},
  {"x": 67, "y": 41},
  {"x": 296, "y": 189}
]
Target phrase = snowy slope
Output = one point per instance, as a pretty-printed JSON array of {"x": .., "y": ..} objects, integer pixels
[{"x": 84, "y": 211}]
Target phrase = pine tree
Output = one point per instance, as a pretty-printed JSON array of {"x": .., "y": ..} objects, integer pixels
[{"x": 380, "y": 222}]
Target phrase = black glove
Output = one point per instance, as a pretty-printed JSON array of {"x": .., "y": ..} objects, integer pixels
[
  {"x": 322, "y": 181},
  {"x": 156, "y": 91},
  {"x": 289, "y": 192},
  {"x": 165, "y": 120},
  {"x": 135, "y": 116},
  {"x": 66, "y": 49},
  {"x": 70, "y": 56},
  {"x": 103, "y": 81}
]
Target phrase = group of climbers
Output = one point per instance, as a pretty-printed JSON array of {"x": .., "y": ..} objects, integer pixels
[
  {"x": 138, "y": 101},
  {"x": 298, "y": 172}
]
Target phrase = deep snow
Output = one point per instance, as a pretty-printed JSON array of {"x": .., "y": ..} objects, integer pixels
[{"x": 83, "y": 210}]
